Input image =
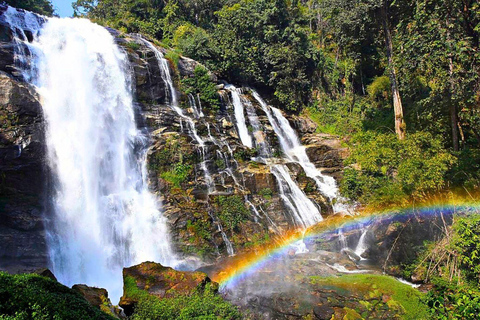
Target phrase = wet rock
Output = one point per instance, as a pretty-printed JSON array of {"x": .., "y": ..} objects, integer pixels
[
  {"x": 161, "y": 282},
  {"x": 323, "y": 312},
  {"x": 303, "y": 125},
  {"x": 22, "y": 187}
]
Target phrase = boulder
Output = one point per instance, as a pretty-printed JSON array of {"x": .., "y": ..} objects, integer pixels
[
  {"x": 303, "y": 125},
  {"x": 150, "y": 278},
  {"x": 98, "y": 297},
  {"x": 44, "y": 272}
]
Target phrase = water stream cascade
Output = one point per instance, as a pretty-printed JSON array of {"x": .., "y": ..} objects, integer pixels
[{"x": 104, "y": 216}]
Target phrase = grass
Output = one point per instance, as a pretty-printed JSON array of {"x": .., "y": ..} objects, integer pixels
[{"x": 410, "y": 299}]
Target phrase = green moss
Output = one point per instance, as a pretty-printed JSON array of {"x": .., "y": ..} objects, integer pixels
[
  {"x": 133, "y": 46},
  {"x": 405, "y": 300},
  {"x": 131, "y": 290},
  {"x": 266, "y": 193}
]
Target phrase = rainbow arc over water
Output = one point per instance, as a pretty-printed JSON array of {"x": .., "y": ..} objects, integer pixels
[{"x": 248, "y": 263}]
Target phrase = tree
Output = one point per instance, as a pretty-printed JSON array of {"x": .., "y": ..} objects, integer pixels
[
  {"x": 43, "y": 7},
  {"x": 400, "y": 126}
]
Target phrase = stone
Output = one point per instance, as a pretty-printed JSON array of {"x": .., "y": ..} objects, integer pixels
[
  {"x": 22, "y": 168},
  {"x": 44, "y": 272},
  {"x": 323, "y": 312},
  {"x": 303, "y": 125},
  {"x": 98, "y": 297}
]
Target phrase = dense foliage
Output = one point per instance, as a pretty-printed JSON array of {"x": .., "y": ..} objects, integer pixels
[
  {"x": 346, "y": 64},
  {"x": 452, "y": 265},
  {"x": 206, "y": 305},
  {"x": 43, "y": 7},
  {"x": 30, "y": 296}
]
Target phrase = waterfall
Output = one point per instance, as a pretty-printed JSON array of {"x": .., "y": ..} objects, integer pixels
[
  {"x": 362, "y": 244},
  {"x": 240, "y": 116},
  {"x": 304, "y": 211},
  {"x": 295, "y": 152},
  {"x": 104, "y": 216}
]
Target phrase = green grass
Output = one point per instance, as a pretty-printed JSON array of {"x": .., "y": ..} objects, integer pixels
[{"x": 410, "y": 299}]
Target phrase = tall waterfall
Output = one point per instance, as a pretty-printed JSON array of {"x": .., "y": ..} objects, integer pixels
[{"x": 104, "y": 215}]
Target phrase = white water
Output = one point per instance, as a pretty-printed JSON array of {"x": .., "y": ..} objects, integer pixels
[
  {"x": 104, "y": 217},
  {"x": 295, "y": 152},
  {"x": 171, "y": 93},
  {"x": 362, "y": 244},
  {"x": 240, "y": 116},
  {"x": 304, "y": 211}
]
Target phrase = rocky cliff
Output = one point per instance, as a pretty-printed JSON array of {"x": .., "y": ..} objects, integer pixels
[
  {"x": 218, "y": 197},
  {"x": 23, "y": 177}
]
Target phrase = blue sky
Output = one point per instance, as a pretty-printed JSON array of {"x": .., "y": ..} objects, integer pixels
[{"x": 63, "y": 7}]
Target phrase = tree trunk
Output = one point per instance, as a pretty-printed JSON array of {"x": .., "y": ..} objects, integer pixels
[
  {"x": 453, "y": 109},
  {"x": 400, "y": 126}
]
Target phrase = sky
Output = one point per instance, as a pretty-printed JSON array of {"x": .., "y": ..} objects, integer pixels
[{"x": 63, "y": 7}]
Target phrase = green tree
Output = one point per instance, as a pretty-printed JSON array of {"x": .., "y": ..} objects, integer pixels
[{"x": 43, "y": 7}]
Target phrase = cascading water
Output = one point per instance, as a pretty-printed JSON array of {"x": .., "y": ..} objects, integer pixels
[
  {"x": 303, "y": 210},
  {"x": 362, "y": 244},
  {"x": 240, "y": 116},
  {"x": 295, "y": 152},
  {"x": 105, "y": 217}
]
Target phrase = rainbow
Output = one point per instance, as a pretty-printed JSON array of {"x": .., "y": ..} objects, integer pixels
[{"x": 239, "y": 267}]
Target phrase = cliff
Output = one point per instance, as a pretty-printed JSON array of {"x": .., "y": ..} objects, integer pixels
[{"x": 218, "y": 195}]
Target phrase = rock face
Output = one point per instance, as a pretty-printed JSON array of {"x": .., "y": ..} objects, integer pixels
[
  {"x": 98, "y": 297},
  {"x": 159, "y": 281},
  {"x": 239, "y": 208},
  {"x": 22, "y": 167}
]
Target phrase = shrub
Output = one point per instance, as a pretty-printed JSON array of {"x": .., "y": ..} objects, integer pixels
[
  {"x": 232, "y": 211},
  {"x": 389, "y": 171},
  {"x": 205, "y": 306},
  {"x": 30, "y": 296},
  {"x": 202, "y": 84}
]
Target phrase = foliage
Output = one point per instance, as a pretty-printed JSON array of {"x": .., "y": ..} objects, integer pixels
[
  {"x": 389, "y": 171},
  {"x": 206, "y": 305},
  {"x": 266, "y": 43},
  {"x": 202, "y": 85},
  {"x": 177, "y": 175},
  {"x": 266, "y": 193},
  {"x": 452, "y": 265},
  {"x": 43, "y": 7},
  {"x": 233, "y": 211},
  {"x": 449, "y": 301},
  {"x": 30, "y": 296}
]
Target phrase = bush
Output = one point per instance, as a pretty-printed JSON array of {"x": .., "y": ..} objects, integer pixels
[
  {"x": 389, "y": 171},
  {"x": 233, "y": 211},
  {"x": 30, "y": 296},
  {"x": 202, "y": 84},
  {"x": 203, "y": 306}
]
